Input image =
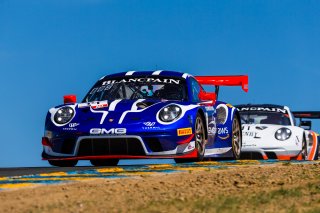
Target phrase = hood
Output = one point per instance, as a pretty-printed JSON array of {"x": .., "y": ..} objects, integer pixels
[
  {"x": 263, "y": 135},
  {"x": 118, "y": 112}
]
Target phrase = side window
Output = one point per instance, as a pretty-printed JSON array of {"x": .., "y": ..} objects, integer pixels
[{"x": 195, "y": 89}]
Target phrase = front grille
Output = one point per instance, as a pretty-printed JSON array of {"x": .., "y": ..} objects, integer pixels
[
  {"x": 153, "y": 144},
  {"x": 110, "y": 146},
  {"x": 251, "y": 155},
  {"x": 63, "y": 145},
  {"x": 271, "y": 155}
]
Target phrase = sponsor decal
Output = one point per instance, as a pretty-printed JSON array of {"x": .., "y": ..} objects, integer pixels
[
  {"x": 212, "y": 130},
  {"x": 71, "y": 127},
  {"x": 150, "y": 124},
  {"x": 99, "y": 106},
  {"x": 223, "y": 133},
  {"x": 263, "y": 109},
  {"x": 102, "y": 88},
  {"x": 184, "y": 131},
  {"x": 251, "y": 134},
  {"x": 83, "y": 105},
  {"x": 143, "y": 80},
  {"x": 248, "y": 145},
  {"x": 112, "y": 131},
  {"x": 243, "y": 127},
  {"x": 212, "y": 126},
  {"x": 224, "y": 138},
  {"x": 190, "y": 147}
]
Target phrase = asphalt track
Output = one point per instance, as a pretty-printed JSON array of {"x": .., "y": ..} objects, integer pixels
[{"x": 14, "y": 178}]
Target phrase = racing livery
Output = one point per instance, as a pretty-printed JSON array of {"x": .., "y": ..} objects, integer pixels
[
  {"x": 271, "y": 132},
  {"x": 149, "y": 114}
]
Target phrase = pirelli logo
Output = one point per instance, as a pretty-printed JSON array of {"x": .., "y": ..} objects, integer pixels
[{"x": 184, "y": 131}]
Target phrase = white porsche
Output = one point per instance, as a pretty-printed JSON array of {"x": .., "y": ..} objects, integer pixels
[{"x": 271, "y": 132}]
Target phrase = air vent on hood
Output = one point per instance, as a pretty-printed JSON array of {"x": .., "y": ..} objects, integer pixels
[
  {"x": 261, "y": 127},
  {"x": 145, "y": 104}
]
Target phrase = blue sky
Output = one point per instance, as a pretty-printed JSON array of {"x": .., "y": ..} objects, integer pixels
[{"x": 52, "y": 48}]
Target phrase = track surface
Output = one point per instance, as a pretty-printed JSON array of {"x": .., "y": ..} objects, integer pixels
[
  {"x": 18, "y": 171},
  {"x": 13, "y": 178}
]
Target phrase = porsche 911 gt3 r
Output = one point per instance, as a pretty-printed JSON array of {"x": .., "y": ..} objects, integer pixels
[
  {"x": 154, "y": 114},
  {"x": 270, "y": 132}
]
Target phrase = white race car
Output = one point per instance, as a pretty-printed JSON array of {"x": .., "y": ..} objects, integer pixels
[{"x": 271, "y": 132}]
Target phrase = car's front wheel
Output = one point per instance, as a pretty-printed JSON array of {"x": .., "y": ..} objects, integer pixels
[
  {"x": 236, "y": 138},
  {"x": 63, "y": 163},
  {"x": 105, "y": 162},
  {"x": 304, "y": 150},
  {"x": 200, "y": 142},
  {"x": 200, "y": 137},
  {"x": 316, "y": 157}
]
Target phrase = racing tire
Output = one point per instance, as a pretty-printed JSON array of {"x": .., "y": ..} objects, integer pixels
[
  {"x": 63, "y": 163},
  {"x": 200, "y": 141},
  {"x": 316, "y": 157},
  {"x": 236, "y": 138},
  {"x": 105, "y": 162},
  {"x": 304, "y": 151}
]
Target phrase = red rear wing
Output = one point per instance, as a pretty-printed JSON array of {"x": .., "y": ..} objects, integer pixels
[
  {"x": 307, "y": 114},
  {"x": 233, "y": 80}
]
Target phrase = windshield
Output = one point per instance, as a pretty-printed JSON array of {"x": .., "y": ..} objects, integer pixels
[
  {"x": 166, "y": 88},
  {"x": 251, "y": 117}
]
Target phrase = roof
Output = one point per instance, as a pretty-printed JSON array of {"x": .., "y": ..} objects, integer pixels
[
  {"x": 148, "y": 73},
  {"x": 263, "y": 108},
  {"x": 260, "y": 106}
]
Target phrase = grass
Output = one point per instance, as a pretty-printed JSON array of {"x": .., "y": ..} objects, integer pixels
[{"x": 285, "y": 199}]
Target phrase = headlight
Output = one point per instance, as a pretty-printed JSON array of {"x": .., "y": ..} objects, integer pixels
[
  {"x": 283, "y": 134},
  {"x": 170, "y": 113},
  {"x": 63, "y": 115}
]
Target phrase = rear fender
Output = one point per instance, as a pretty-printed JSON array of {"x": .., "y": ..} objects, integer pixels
[{"x": 225, "y": 115}]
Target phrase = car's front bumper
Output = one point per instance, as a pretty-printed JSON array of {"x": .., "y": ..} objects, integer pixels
[
  {"x": 118, "y": 146},
  {"x": 278, "y": 153}
]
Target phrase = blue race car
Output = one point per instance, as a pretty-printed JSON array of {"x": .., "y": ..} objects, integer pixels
[{"x": 153, "y": 114}]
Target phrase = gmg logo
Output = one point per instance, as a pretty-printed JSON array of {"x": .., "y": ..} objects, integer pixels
[{"x": 113, "y": 131}]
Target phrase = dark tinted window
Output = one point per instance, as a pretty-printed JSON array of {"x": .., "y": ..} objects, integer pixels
[
  {"x": 251, "y": 117},
  {"x": 195, "y": 89},
  {"x": 138, "y": 87}
]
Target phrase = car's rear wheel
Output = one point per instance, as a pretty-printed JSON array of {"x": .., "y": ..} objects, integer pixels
[
  {"x": 199, "y": 142},
  {"x": 236, "y": 138},
  {"x": 105, "y": 162},
  {"x": 63, "y": 163}
]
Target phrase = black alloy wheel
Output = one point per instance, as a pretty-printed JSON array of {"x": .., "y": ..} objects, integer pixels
[{"x": 236, "y": 138}]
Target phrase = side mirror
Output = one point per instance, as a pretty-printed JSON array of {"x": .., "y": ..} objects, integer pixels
[
  {"x": 305, "y": 125},
  {"x": 207, "y": 96},
  {"x": 67, "y": 99}
]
